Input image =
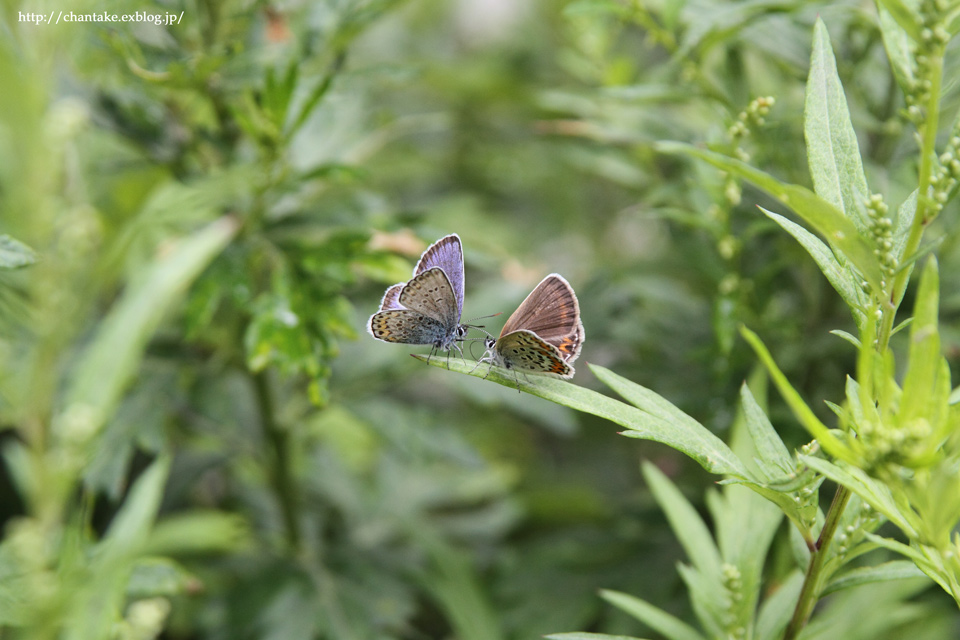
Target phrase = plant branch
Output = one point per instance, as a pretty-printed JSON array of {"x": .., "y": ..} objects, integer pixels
[
  {"x": 812, "y": 581},
  {"x": 280, "y": 477},
  {"x": 925, "y": 213}
]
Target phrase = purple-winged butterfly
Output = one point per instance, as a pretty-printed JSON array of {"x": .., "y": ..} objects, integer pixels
[{"x": 427, "y": 308}]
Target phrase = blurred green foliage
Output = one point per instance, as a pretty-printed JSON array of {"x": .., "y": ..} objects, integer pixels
[{"x": 197, "y": 219}]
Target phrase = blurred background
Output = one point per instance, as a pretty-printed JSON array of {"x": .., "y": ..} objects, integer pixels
[{"x": 295, "y": 158}]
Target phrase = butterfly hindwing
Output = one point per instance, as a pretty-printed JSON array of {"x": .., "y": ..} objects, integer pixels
[
  {"x": 525, "y": 351},
  {"x": 405, "y": 326},
  {"x": 391, "y": 298}
]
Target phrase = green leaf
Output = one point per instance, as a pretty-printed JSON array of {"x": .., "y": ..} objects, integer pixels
[
  {"x": 776, "y": 610},
  {"x": 773, "y": 453},
  {"x": 580, "y": 635},
  {"x": 684, "y": 434},
  {"x": 839, "y": 277},
  {"x": 800, "y": 410},
  {"x": 131, "y": 526},
  {"x": 904, "y": 17},
  {"x": 685, "y": 522},
  {"x": 901, "y": 226},
  {"x": 14, "y": 254},
  {"x": 109, "y": 362},
  {"x": 15, "y": 585},
  {"x": 198, "y": 532},
  {"x": 871, "y": 491},
  {"x": 933, "y": 569},
  {"x": 454, "y": 583},
  {"x": 894, "y": 570},
  {"x": 817, "y": 212},
  {"x": 688, "y": 435},
  {"x": 832, "y": 151},
  {"x": 954, "y": 396},
  {"x": 152, "y": 577},
  {"x": 849, "y": 337},
  {"x": 897, "y": 44},
  {"x": 919, "y": 383},
  {"x": 785, "y": 499},
  {"x": 657, "y": 619}
]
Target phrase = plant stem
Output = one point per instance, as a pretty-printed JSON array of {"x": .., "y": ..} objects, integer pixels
[
  {"x": 280, "y": 476},
  {"x": 810, "y": 592},
  {"x": 924, "y": 213}
]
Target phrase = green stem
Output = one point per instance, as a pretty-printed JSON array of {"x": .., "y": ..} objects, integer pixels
[
  {"x": 810, "y": 592},
  {"x": 925, "y": 213},
  {"x": 279, "y": 441}
]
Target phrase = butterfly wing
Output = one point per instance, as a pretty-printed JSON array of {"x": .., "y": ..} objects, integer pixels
[
  {"x": 552, "y": 312},
  {"x": 391, "y": 299},
  {"x": 406, "y": 326},
  {"x": 430, "y": 293},
  {"x": 447, "y": 254},
  {"x": 526, "y": 351}
]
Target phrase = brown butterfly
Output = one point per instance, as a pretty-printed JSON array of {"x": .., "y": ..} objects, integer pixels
[{"x": 544, "y": 335}]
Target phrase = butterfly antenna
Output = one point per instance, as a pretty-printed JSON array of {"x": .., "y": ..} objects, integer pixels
[{"x": 480, "y": 326}]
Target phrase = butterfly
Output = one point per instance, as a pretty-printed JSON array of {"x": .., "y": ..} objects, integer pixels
[
  {"x": 544, "y": 335},
  {"x": 427, "y": 308}
]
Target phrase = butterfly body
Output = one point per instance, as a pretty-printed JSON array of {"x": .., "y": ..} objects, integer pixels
[
  {"x": 544, "y": 335},
  {"x": 427, "y": 308}
]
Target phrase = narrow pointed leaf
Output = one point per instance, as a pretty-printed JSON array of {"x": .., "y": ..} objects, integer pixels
[
  {"x": 776, "y": 610},
  {"x": 839, "y": 277},
  {"x": 701, "y": 445},
  {"x": 894, "y": 570},
  {"x": 832, "y": 150},
  {"x": 800, "y": 410},
  {"x": 694, "y": 435},
  {"x": 849, "y": 337},
  {"x": 897, "y": 44},
  {"x": 685, "y": 522},
  {"x": 657, "y": 619},
  {"x": 110, "y": 361},
  {"x": 817, "y": 212},
  {"x": 922, "y": 562},
  {"x": 14, "y": 254},
  {"x": 131, "y": 526},
  {"x": 919, "y": 381},
  {"x": 904, "y": 17},
  {"x": 581, "y": 635},
  {"x": 765, "y": 438}
]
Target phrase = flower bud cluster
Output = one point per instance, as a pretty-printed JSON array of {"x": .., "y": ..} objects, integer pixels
[
  {"x": 807, "y": 497},
  {"x": 933, "y": 40},
  {"x": 865, "y": 521},
  {"x": 881, "y": 230},
  {"x": 733, "y": 590},
  {"x": 945, "y": 179},
  {"x": 899, "y": 444},
  {"x": 753, "y": 116}
]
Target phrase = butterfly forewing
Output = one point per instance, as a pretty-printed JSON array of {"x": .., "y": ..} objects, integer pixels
[
  {"x": 430, "y": 293},
  {"x": 552, "y": 312},
  {"x": 447, "y": 254}
]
